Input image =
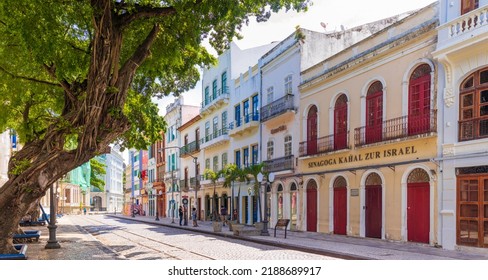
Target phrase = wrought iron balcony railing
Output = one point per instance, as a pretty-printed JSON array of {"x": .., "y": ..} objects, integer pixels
[
  {"x": 277, "y": 107},
  {"x": 396, "y": 128},
  {"x": 326, "y": 144},
  {"x": 279, "y": 164}
]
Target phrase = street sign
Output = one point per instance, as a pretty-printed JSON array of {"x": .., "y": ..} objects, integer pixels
[{"x": 185, "y": 201}]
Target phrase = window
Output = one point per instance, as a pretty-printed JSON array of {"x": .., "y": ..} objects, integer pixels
[
  {"x": 224, "y": 122},
  {"x": 207, "y": 163},
  {"x": 270, "y": 150},
  {"x": 224, "y": 82},
  {"x": 237, "y": 115},
  {"x": 238, "y": 158},
  {"x": 374, "y": 113},
  {"x": 468, "y": 6},
  {"x": 312, "y": 131},
  {"x": 419, "y": 100},
  {"x": 246, "y": 111},
  {"x": 288, "y": 145},
  {"x": 255, "y": 108},
  {"x": 216, "y": 163},
  {"x": 254, "y": 159},
  {"x": 288, "y": 85},
  {"x": 207, "y": 96},
  {"x": 340, "y": 123},
  {"x": 207, "y": 131},
  {"x": 473, "y": 118},
  {"x": 246, "y": 157},
  {"x": 214, "y": 90},
  {"x": 269, "y": 95},
  {"x": 224, "y": 160},
  {"x": 215, "y": 127}
]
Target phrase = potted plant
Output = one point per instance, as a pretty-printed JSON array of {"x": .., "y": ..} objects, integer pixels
[
  {"x": 232, "y": 173},
  {"x": 253, "y": 171}
]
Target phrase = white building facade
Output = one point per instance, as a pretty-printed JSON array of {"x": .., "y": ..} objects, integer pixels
[{"x": 463, "y": 123}]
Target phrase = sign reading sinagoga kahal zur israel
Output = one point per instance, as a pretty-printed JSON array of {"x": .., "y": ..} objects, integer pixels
[{"x": 386, "y": 153}]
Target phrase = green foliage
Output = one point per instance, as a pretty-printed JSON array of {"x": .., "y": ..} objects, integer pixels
[
  {"x": 97, "y": 174},
  {"x": 232, "y": 173},
  {"x": 47, "y": 48},
  {"x": 19, "y": 166}
]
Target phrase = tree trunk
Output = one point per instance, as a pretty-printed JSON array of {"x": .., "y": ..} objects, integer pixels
[{"x": 41, "y": 162}]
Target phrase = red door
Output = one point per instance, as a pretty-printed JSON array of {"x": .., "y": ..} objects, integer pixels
[
  {"x": 340, "y": 210},
  {"x": 312, "y": 209},
  {"x": 340, "y": 123},
  {"x": 418, "y": 212},
  {"x": 373, "y": 211},
  {"x": 374, "y": 117},
  {"x": 419, "y": 105},
  {"x": 312, "y": 131}
]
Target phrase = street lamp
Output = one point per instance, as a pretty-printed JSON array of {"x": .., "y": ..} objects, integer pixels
[
  {"x": 197, "y": 181},
  {"x": 269, "y": 180},
  {"x": 157, "y": 195}
]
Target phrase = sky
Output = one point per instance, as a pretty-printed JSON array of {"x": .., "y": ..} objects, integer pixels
[{"x": 332, "y": 13}]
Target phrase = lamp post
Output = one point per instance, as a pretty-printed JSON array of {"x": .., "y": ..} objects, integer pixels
[
  {"x": 52, "y": 243},
  {"x": 269, "y": 179},
  {"x": 197, "y": 181},
  {"x": 133, "y": 207},
  {"x": 157, "y": 195}
]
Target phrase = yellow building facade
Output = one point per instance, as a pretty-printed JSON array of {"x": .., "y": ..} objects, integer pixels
[{"x": 369, "y": 136}]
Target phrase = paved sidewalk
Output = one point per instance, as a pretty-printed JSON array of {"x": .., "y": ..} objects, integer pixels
[{"x": 77, "y": 244}]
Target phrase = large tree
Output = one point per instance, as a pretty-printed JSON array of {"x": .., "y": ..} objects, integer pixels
[{"x": 84, "y": 72}]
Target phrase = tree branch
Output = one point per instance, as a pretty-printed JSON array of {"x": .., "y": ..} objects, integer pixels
[
  {"x": 28, "y": 78},
  {"x": 142, "y": 12}
]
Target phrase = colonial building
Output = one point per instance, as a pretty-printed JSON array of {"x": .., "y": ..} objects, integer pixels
[
  {"x": 463, "y": 122},
  {"x": 368, "y": 135},
  {"x": 280, "y": 73}
]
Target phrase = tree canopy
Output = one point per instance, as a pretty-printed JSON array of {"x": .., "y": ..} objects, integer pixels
[{"x": 78, "y": 75}]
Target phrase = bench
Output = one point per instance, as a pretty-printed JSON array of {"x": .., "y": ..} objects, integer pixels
[
  {"x": 21, "y": 255},
  {"x": 281, "y": 223},
  {"x": 35, "y": 223},
  {"x": 29, "y": 234}
]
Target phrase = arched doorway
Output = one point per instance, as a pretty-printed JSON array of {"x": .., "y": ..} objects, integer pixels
[
  {"x": 374, "y": 113},
  {"x": 97, "y": 203},
  {"x": 340, "y": 205},
  {"x": 293, "y": 206},
  {"x": 373, "y": 206},
  {"x": 419, "y": 100},
  {"x": 279, "y": 200},
  {"x": 312, "y": 131},
  {"x": 340, "y": 123},
  {"x": 418, "y": 206},
  {"x": 312, "y": 205}
]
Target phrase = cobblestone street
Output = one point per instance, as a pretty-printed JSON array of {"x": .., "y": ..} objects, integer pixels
[{"x": 139, "y": 241}]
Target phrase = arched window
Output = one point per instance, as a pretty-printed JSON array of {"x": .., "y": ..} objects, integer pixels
[
  {"x": 340, "y": 123},
  {"x": 473, "y": 111},
  {"x": 312, "y": 131},
  {"x": 419, "y": 100},
  {"x": 374, "y": 113}
]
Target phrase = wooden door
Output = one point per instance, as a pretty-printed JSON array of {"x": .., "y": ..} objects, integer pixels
[
  {"x": 418, "y": 212},
  {"x": 340, "y": 210},
  {"x": 373, "y": 211},
  {"x": 312, "y": 209},
  {"x": 312, "y": 131},
  {"x": 419, "y": 101},
  {"x": 374, "y": 117},
  {"x": 340, "y": 123}
]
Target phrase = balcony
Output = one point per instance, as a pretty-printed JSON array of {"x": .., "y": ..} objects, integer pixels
[
  {"x": 280, "y": 164},
  {"x": 323, "y": 145},
  {"x": 213, "y": 102},
  {"x": 397, "y": 128},
  {"x": 463, "y": 28},
  {"x": 189, "y": 149},
  {"x": 277, "y": 108},
  {"x": 244, "y": 124},
  {"x": 215, "y": 139}
]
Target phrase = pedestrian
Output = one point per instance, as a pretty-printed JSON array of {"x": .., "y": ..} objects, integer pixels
[
  {"x": 84, "y": 211},
  {"x": 223, "y": 214},
  {"x": 194, "y": 216},
  {"x": 180, "y": 212}
]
